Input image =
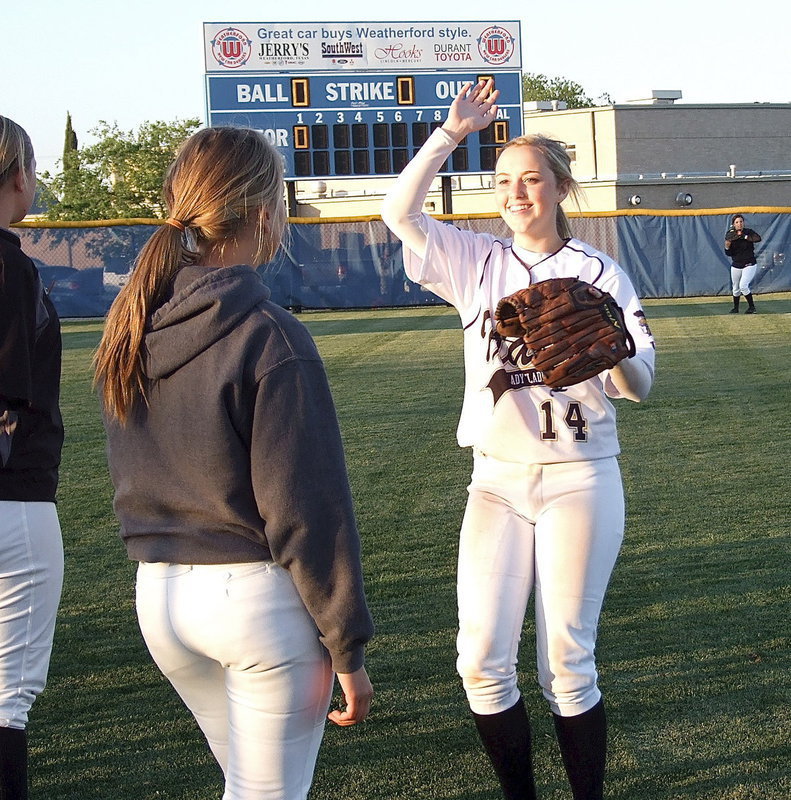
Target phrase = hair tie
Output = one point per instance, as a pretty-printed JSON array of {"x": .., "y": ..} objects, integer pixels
[{"x": 176, "y": 224}]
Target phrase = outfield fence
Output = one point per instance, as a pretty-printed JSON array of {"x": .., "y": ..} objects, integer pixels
[{"x": 357, "y": 262}]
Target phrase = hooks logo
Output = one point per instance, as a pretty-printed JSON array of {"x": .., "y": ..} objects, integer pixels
[
  {"x": 231, "y": 48},
  {"x": 496, "y": 45}
]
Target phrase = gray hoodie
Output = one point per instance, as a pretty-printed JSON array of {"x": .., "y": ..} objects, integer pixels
[{"x": 237, "y": 456}]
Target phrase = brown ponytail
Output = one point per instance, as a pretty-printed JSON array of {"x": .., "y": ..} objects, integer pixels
[{"x": 222, "y": 179}]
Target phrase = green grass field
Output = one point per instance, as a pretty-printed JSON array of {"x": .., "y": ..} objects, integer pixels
[{"x": 694, "y": 648}]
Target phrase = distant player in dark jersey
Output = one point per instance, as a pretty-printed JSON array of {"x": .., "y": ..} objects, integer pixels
[{"x": 740, "y": 248}]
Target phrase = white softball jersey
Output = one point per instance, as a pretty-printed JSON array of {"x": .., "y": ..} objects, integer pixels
[{"x": 508, "y": 412}]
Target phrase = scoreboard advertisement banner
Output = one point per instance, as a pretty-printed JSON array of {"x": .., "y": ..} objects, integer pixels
[
  {"x": 360, "y": 125},
  {"x": 354, "y": 46},
  {"x": 343, "y": 99}
]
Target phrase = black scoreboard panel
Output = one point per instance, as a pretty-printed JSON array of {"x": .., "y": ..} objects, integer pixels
[{"x": 360, "y": 124}]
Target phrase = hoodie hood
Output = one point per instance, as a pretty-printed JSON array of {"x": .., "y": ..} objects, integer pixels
[{"x": 206, "y": 305}]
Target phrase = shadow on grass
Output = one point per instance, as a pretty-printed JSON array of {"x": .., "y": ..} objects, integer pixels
[{"x": 707, "y": 306}]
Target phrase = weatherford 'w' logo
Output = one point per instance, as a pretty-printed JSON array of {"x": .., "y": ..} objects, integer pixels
[
  {"x": 231, "y": 48},
  {"x": 496, "y": 45}
]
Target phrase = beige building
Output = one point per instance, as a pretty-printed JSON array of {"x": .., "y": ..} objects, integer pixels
[
  {"x": 651, "y": 153},
  {"x": 672, "y": 155}
]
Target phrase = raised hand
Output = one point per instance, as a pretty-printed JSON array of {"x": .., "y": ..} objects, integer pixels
[{"x": 473, "y": 109}]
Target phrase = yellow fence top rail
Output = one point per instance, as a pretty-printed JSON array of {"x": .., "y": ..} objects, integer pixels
[{"x": 626, "y": 212}]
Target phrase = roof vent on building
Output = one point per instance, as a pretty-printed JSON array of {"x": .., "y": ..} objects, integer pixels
[
  {"x": 658, "y": 97},
  {"x": 544, "y": 105}
]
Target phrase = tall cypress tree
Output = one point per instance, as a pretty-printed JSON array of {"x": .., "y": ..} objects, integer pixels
[
  {"x": 71, "y": 163},
  {"x": 70, "y": 141}
]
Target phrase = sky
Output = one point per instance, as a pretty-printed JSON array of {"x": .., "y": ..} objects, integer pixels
[{"x": 143, "y": 60}]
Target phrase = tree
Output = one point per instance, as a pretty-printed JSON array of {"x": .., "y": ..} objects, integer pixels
[
  {"x": 71, "y": 164},
  {"x": 541, "y": 87},
  {"x": 119, "y": 177},
  {"x": 70, "y": 140}
]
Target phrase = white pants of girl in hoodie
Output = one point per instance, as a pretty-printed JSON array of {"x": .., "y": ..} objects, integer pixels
[{"x": 241, "y": 650}]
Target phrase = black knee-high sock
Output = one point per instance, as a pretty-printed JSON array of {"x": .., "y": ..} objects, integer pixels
[
  {"x": 506, "y": 739},
  {"x": 750, "y": 302},
  {"x": 13, "y": 764},
  {"x": 583, "y": 745},
  {"x": 736, "y": 302}
]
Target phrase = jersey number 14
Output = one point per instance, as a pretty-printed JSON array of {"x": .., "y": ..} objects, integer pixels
[{"x": 573, "y": 419}]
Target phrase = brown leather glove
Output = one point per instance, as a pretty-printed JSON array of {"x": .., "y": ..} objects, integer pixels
[{"x": 573, "y": 330}]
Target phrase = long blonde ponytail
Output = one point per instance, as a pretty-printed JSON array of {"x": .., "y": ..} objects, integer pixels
[{"x": 222, "y": 178}]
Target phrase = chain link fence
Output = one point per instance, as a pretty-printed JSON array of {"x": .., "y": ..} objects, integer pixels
[{"x": 357, "y": 263}]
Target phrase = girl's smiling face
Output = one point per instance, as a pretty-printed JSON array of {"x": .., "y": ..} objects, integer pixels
[{"x": 527, "y": 195}]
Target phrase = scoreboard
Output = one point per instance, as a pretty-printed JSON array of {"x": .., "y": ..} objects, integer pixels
[{"x": 353, "y": 124}]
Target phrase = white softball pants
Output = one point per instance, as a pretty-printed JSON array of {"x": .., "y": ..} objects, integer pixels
[
  {"x": 555, "y": 529},
  {"x": 742, "y": 279},
  {"x": 241, "y": 650},
  {"x": 31, "y": 579}
]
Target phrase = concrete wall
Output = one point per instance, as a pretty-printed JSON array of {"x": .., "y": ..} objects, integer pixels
[
  {"x": 613, "y": 145},
  {"x": 465, "y": 201},
  {"x": 694, "y": 145},
  {"x": 596, "y": 196},
  {"x": 723, "y": 193},
  {"x": 696, "y": 138},
  {"x": 576, "y": 129}
]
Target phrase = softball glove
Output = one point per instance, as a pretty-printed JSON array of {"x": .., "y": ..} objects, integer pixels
[{"x": 573, "y": 330}]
